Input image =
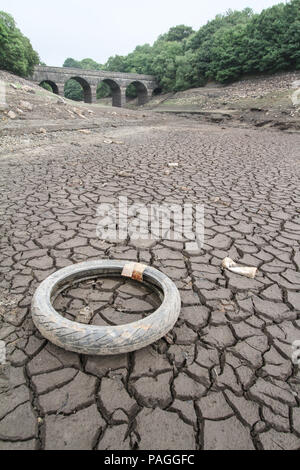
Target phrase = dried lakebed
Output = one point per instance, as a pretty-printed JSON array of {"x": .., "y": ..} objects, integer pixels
[{"x": 224, "y": 378}]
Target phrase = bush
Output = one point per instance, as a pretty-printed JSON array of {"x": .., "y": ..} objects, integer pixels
[{"x": 16, "y": 52}]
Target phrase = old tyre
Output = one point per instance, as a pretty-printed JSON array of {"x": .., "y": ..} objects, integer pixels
[{"x": 103, "y": 340}]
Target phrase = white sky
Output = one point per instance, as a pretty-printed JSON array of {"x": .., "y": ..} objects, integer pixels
[{"x": 98, "y": 29}]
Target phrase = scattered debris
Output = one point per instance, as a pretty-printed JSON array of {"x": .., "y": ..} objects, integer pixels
[
  {"x": 169, "y": 339},
  {"x": 84, "y": 315},
  {"x": 76, "y": 111},
  {"x": 26, "y": 105},
  {"x": 84, "y": 131},
  {"x": 110, "y": 141},
  {"x": 134, "y": 270},
  {"x": 119, "y": 307},
  {"x": 11, "y": 115},
  {"x": 172, "y": 164},
  {"x": 28, "y": 89},
  {"x": 61, "y": 100},
  {"x": 75, "y": 182},
  {"x": 218, "y": 200},
  {"x": 247, "y": 271}
]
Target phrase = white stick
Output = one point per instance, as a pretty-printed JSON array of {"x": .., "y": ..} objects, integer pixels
[{"x": 247, "y": 271}]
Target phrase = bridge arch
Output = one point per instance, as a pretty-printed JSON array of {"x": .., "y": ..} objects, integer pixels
[
  {"x": 89, "y": 79},
  {"x": 157, "y": 91},
  {"x": 141, "y": 91},
  {"x": 51, "y": 84},
  {"x": 86, "y": 87},
  {"x": 115, "y": 91}
]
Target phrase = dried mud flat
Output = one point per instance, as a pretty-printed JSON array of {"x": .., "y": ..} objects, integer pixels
[{"x": 224, "y": 378}]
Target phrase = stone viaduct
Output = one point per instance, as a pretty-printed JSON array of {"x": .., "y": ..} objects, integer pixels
[{"x": 56, "y": 77}]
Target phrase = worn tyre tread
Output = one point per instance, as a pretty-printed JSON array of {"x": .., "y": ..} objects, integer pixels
[{"x": 102, "y": 340}]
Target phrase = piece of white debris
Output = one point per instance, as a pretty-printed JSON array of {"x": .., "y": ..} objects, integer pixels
[
  {"x": 11, "y": 115},
  {"x": 247, "y": 271},
  {"x": 84, "y": 315},
  {"x": 172, "y": 164}
]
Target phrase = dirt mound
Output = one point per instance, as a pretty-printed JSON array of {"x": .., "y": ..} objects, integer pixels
[
  {"x": 260, "y": 101},
  {"x": 28, "y": 108},
  {"x": 27, "y": 101},
  {"x": 264, "y": 101}
]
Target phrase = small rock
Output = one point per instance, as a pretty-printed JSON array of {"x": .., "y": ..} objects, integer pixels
[
  {"x": 11, "y": 115},
  {"x": 28, "y": 89},
  {"x": 84, "y": 316},
  {"x": 26, "y": 105},
  {"x": 60, "y": 100}
]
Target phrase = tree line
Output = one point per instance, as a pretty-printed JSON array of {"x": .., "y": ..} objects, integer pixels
[{"x": 228, "y": 47}]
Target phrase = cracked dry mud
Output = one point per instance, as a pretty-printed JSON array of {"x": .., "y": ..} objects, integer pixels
[{"x": 224, "y": 378}]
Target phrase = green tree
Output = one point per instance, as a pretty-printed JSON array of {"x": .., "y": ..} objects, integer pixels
[
  {"x": 73, "y": 90},
  {"x": 103, "y": 91},
  {"x": 178, "y": 33},
  {"x": 89, "y": 64},
  {"x": 164, "y": 62},
  {"x": 116, "y": 64},
  {"x": 274, "y": 39},
  {"x": 46, "y": 86},
  {"x": 224, "y": 49},
  {"x": 72, "y": 63},
  {"x": 16, "y": 52}
]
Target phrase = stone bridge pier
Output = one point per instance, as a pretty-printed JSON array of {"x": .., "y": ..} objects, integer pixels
[{"x": 89, "y": 80}]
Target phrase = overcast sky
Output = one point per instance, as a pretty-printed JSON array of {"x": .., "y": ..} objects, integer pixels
[{"x": 98, "y": 29}]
